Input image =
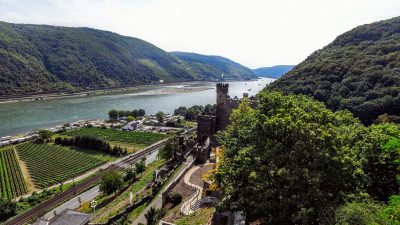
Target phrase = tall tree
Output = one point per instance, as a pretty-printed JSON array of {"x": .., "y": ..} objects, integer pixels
[
  {"x": 141, "y": 112},
  {"x": 169, "y": 150},
  {"x": 153, "y": 216},
  {"x": 291, "y": 160},
  {"x": 45, "y": 135},
  {"x": 111, "y": 182},
  {"x": 140, "y": 166},
  {"x": 382, "y": 152},
  {"x": 160, "y": 117},
  {"x": 113, "y": 114},
  {"x": 7, "y": 208}
]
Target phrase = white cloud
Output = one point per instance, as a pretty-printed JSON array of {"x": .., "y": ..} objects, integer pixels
[{"x": 253, "y": 32}]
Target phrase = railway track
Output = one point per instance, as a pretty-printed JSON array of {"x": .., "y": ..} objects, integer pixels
[{"x": 58, "y": 199}]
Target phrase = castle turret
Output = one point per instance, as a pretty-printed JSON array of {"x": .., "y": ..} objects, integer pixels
[
  {"x": 223, "y": 108},
  {"x": 222, "y": 92}
]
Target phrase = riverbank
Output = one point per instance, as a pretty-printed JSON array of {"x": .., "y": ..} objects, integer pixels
[
  {"x": 119, "y": 90},
  {"x": 24, "y": 116},
  {"x": 62, "y": 95}
]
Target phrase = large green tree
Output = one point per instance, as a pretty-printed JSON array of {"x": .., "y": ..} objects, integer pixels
[
  {"x": 111, "y": 182},
  {"x": 291, "y": 160},
  {"x": 7, "y": 208},
  {"x": 382, "y": 157},
  {"x": 140, "y": 166},
  {"x": 169, "y": 150},
  {"x": 160, "y": 117}
]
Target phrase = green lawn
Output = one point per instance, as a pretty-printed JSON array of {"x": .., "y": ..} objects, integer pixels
[
  {"x": 200, "y": 217},
  {"x": 190, "y": 123},
  {"x": 50, "y": 164},
  {"x": 118, "y": 137}
]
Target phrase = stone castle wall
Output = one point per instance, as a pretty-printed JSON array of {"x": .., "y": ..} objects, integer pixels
[{"x": 209, "y": 125}]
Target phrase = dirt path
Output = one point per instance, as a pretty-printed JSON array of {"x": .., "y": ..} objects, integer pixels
[{"x": 25, "y": 173}]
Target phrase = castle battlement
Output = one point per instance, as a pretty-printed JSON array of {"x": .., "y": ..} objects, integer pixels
[
  {"x": 208, "y": 125},
  {"x": 222, "y": 88}
]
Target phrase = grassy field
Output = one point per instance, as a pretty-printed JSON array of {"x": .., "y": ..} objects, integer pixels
[
  {"x": 12, "y": 182},
  {"x": 200, "y": 217},
  {"x": 118, "y": 137},
  {"x": 50, "y": 164},
  {"x": 192, "y": 124}
]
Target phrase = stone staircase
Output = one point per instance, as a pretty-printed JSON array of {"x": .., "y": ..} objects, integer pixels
[
  {"x": 193, "y": 203},
  {"x": 195, "y": 206}
]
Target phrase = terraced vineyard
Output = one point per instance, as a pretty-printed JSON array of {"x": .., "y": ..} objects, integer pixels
[
  {"x": 51, "y": 164},
  {"x": 12, "y": 183},
  {"x": 137, "y": 138}
]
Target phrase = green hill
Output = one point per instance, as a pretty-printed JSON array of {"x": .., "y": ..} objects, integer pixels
[
  {"x": 359, "y": 71},
  {"x": 273, "y": 71},
  {"x": 36, "y": 59},
  {"x": 41, "y": 58},
  {"x": 212, "y": 67}
]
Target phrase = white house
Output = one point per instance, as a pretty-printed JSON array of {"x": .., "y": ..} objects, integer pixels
[{"x": 131, "y": 126}]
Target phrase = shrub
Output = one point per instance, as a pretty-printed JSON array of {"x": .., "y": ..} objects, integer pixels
[
  {"x": 175, "y": 198},
  {"x": 359, "y": 213}
]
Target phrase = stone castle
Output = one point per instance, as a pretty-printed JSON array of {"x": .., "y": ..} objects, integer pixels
[{"x": 208, "y": 125}]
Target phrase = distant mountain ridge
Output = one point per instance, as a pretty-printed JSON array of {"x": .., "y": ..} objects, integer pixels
[
  {"x": 358, "y": 71},
  {"x": 215, "y": 67},
  {"x": 36, "y": 59},
  {"x": 273, "y": 71}
]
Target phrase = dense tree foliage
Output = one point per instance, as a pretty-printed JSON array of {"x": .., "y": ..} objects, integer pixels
[
  {"x": 153, "y": 215},
  {"x": 37, "y": 58},
  {"x": 111, "y": 182},
  {"x": 358, "y": 71},
  {"x": 293, "y": 161},
  {"x": 369, "y": 212},
  {"x": 366, "y": 212},
  {"x": 44, "y": 135},
  {"x": 160, "y": 116},
  {"x": 7, "y": 208},
  {"x": 130, "y": 174},
  {"x": 192, "y": 112},
  {"x": 382, "y": 155},
  {"x": 119, "y": 114},
  {"x": 169, "y": 150},
  {"x": 93, "y": 143},
  {"x": 140, "y": 166},
  {"x": 273, "y": 71},
  {"x": 42, "y": 59},
  {"x": 215, "y": 67}
]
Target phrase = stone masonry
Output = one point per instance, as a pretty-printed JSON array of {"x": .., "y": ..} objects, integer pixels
[{"x": 208, "y": 125}]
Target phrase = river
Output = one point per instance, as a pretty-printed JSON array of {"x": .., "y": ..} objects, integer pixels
[{"x": 21, "y": 117}]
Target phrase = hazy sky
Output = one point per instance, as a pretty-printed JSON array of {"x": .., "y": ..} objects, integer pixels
[{"x": 254, "y": 33}]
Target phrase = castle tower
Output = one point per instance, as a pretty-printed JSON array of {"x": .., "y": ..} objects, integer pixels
[
  {"x": 222, "y": 92},
  {"x": 223, "y": 107}
]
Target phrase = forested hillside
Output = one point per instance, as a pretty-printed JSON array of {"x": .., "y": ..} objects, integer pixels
[
  {"x": 273, "y": 71},
  {"x": 359, "y": 71},
  {"x": 37, "y": 58},
  {"x": 212, "y": 67},
  {"x": 41, "y": 58}
]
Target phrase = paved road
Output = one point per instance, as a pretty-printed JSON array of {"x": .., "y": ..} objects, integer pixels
[{"x": 91, "y": 193}]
